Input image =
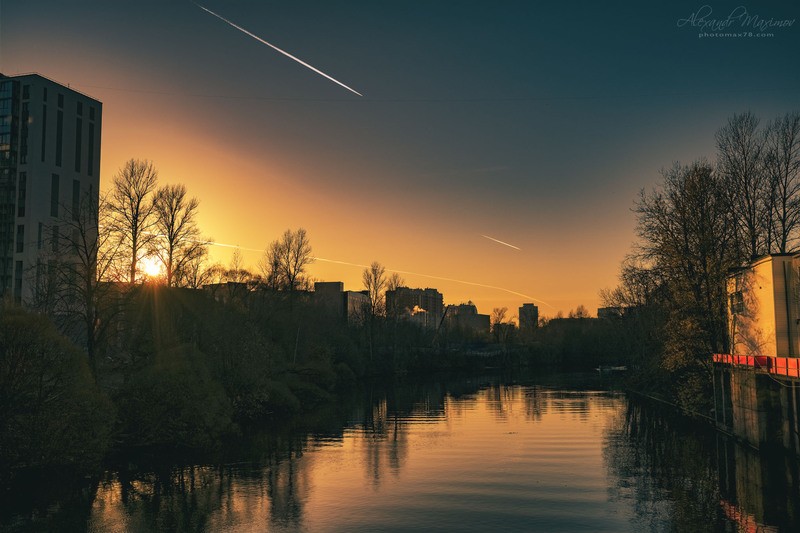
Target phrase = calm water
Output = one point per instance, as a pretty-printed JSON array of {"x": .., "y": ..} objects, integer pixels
[{"x": 468, "y": 455}]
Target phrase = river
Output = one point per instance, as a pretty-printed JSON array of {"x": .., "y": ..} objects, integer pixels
[{"x": 559, "y": 453}]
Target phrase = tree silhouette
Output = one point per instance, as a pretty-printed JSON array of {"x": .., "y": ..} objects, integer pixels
[
  {"x": 285, "y": 260},
  {"x": 132, "y": 210},
  {"x": 177, "y": 241}
]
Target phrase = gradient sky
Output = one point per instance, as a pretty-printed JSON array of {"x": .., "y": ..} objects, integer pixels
[{"x": 533, "y": 123}]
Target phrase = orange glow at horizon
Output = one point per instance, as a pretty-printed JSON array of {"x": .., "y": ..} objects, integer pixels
[{"x": 252, "y": 191}]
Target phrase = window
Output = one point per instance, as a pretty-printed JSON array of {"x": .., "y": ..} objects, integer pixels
[
  {"x": 76, "y": 199},
  {"x": 737, "y": 303},
  {"x": 91, "y": 113},
  {"x": 18, "y": 282},
  {"x": 20, "y": 238},
  {"x": 59, "y": 136},
  {"x": 54, "y": 242},
  {"x": 44, "y": 126},
  {"x": 44, "y": 94},
  {"x": 26, "y": 92},
  {"x": 54, "y": 195},
  {"x": 61, "y": 101},
  {"x": 78, "y": 138},
  {"x": 90, "y": 151},
  {"x": 21, "y": 194},
  {"x": 80, "y": 109}
]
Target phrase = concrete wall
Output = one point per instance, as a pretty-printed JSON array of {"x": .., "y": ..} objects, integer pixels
[{"x": 758, "y": 408}]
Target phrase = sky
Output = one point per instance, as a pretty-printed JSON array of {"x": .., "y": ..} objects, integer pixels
[{"x": 531, "y": 123}]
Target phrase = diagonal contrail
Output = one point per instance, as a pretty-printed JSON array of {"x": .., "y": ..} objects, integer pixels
[
  {"x": 501, "y": 242},
  {"x": 284, "y": 52}
]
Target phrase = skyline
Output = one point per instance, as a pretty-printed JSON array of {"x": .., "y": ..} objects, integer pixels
[{"x": 476, "y": 122}]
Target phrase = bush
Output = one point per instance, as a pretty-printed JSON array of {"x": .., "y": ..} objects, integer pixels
[
  {"x": 174, "y": 402},
  {"x": 51, "y": 411}
]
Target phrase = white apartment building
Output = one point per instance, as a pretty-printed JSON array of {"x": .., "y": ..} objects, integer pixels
[{"x": 49, "y": 161}]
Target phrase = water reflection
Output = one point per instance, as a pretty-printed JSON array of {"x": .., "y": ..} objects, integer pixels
[
  {"x": 468, "y": 455},
  {"x": 696, "y": 479}
]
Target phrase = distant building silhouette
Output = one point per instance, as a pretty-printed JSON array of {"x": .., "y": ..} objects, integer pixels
[
  {"x": 352, "y": 305},
  {"x": 528, "y": 318},
  {"x": 49, "y": 162},
  {"x": 610, "y": 312},
  {"x": 466, "y": 317},
  {"x": 422, "y": 306}
]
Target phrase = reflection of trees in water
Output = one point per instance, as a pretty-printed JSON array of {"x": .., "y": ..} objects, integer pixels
[
  {"x": 385, "y": 445},
  {"x": 205, "y": 498},
  {"x": 535, "y": 403},
  {"x": 265, "y": 478},
  {"x": 669, "y": 475},
  {"x": 683, "y": 479}
]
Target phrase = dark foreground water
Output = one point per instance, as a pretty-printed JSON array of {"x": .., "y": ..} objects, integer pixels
[{"x": 477, "y": 454}]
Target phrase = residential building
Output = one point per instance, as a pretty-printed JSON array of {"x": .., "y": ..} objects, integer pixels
[
  {"x": 466, "y": 318},
  {"x": 610, "y": 313},
  {"x": 352, "y": 305},
  {"x": 764, "y": 307},
  {"x": 528, "y": 318},
  {"x": 423, "y": 306},
  {"x": 49, "y": 164}
]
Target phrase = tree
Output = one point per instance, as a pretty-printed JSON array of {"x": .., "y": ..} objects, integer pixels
[
  {"x": 178, "y": 237},
  {"x": 285, "y": 260},
  {"x": 740, "y": 148},
  {"x": 579, "y": 312},
  {"x": 394, "y": 281},
  {"x": 688, "y": 234},
  {"x": 498, "y": 315},
  {"x": 374, "y": 278},
  {"x": 236, "y": 272},
  {"x": 132, "y": 209},
  {"x": 196, "y": 271},
  {"x": 782, "y": 163},
  {"x": 74, "y": 283},
  {"x": 502, "y": 327},
  {"x": 52, "y": 413}
]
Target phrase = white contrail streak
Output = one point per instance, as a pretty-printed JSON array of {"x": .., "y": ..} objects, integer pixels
[
  {"x": 501, "y": 242},
  {"x": 335, "y": 261},
  {"x": 284, "y": 52}
]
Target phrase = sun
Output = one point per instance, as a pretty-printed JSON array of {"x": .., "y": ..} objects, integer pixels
[{"x": 151, "y": 266}]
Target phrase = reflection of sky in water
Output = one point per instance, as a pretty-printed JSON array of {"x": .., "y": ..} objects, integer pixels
[{"x": 506, "y": 457}]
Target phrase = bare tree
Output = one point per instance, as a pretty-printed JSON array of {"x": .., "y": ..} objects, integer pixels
[
  {"x": 579, "y": 312},
  {"x": 688, "y": 233},
  {"x": 285, "y": 260},
  {"x": 196, "y": 272},
  {"x": 79, "y": 274},
  {"x": 740, "y": 148},
  {"x": 178, "y": 238},
  {"x": 374, "y": 279},
  {"x": 237, "y": 272},
  {"x": 270, "y": 267},
  {"x": 132, "y": 209},
  {"x": 782, "y": 162},
  {"x": 394, "y": 281},
  {"x": 499, "y": 315}
]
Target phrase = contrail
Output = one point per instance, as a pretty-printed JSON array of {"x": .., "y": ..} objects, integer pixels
[
  {"x": 284, "y": 52},
  {"x": 501, "y": 242},
  {"x": 347, "y": 263}
]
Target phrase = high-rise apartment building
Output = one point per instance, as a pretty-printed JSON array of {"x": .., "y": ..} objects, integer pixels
[
  {"x": 528, "y": 317},
  {"x": 49, "y": 164},
  {"x": 424, "y": 306}
]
